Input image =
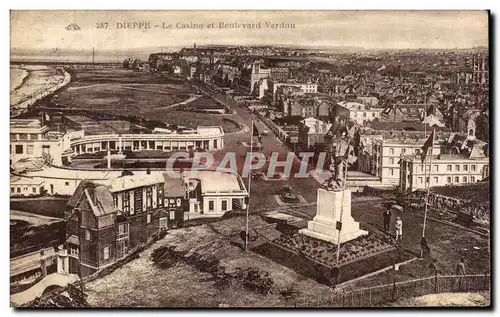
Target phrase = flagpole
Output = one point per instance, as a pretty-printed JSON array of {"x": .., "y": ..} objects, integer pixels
[
  {"x": 428, "y": 183},
  {"x": 249, "y": 182},
  {"x": 342, "y": 207}
]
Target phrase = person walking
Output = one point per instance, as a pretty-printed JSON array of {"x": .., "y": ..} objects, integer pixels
[
  {"x": 460, "y": 271},
  {"x": 399, "y": 228},
  {"x": 387, "y": 219}
]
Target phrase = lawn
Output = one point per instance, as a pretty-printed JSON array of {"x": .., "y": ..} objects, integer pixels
[
  {"x": 120, "y": 91},
  {"x": 50, "y": 207}
]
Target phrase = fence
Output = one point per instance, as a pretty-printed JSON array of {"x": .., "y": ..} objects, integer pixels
[{"x": 380, "y": 295}]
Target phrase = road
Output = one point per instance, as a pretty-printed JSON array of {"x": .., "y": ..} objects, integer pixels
[{"x": 261, "y": 191}]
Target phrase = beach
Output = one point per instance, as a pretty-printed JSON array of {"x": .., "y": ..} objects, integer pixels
[{"x": 29, "y": 83}]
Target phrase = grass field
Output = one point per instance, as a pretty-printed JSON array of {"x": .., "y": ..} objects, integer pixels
[
  {"x": 45, "y": 207},
  {"x": 127, "y": 92},
  {"x": 120, "y": 90}
]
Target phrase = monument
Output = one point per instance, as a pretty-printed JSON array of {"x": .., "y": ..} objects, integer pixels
[{"x": 333, "y": 211}]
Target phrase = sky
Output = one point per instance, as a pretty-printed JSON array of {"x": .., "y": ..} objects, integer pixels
[{"x": 46, "y": 30}]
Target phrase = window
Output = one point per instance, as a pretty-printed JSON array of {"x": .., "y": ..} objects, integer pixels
[
  {"x": 172, "y": 214},
  {"x": 211, "y": 205},
  {"x": 391, "y": 171},
  {"x": 364, "y": 114},
  {"x": 464, "y": 179},
  {"x": 436, "y": 180},
  {"x": 391, "y": 151},
  {"x": 87, "y": 234},
  {"x": 149, "y": 197},
  {"x": 421, "y": 168},
  {"x": 160, "y": 196},
  {"x": 436, "y": 168},
  {"x": 224, "y": 205},
  {"x": 125, "y": 203},
  {"x": 130, "y": 198},
  {"x": 29, "y": 149},
  {"x": 163, "y": 223},
  {"x": 19, "y": 149},
  {"x": 391, "y": 161},
  {"x": 472, "y": 179},
  {"x": 457, "y": 168},
  {"x": 448, "y": 168},
  {"x": 19, "y": 190},
  {"x": 420, "y": 180},
  {"x": 122, "y": 230},
  {"x": 466, "y": 168},
  {"x": 373, "y": 114},
  {"x": 34, "y": 190},
  {"x": 115, "y": 201},
  {"x": 148, "y": 218},
  {"x": 473, "y": 168},
  {"x": 12, "y": 189},
  {"x": 73, "y": 251},
  {"x": 457, "y": 179},
  {"x": 105, "y": 251},
  {"x": 66, "y": 183},
  {"x": 448, "y": 179},
  {"x": 427, "y": 180}
]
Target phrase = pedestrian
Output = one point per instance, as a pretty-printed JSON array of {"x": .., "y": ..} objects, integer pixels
[
  {"x": 387, "y": 219},
  {"x": 460, "y": 267},
  {"x": 433, "y": 267},
  {"x": 460, "y": 270},
  {"x": 399, "y": 229}
]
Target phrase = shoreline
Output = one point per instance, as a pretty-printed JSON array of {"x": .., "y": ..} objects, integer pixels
[{"x": 26, "y": 105}]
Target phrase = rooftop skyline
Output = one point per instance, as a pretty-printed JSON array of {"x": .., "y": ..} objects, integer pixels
[{"x": 46, "y": 30}]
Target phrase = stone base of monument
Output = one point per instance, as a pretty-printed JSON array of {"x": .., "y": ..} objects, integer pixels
[{"x": 331, "y": 206}]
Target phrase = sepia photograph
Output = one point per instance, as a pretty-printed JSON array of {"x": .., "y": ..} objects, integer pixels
[{"x": 250, "y": 159}]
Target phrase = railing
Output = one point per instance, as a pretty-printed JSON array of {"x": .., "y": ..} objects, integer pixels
[{"x": 383, "y": 294}]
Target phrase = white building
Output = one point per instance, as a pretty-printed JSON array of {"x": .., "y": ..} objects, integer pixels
[
  {"x": 386, "y": 155},
  {"x": 444, "y": 169},
  {"x": 204, "y": 137},
  {"x": 212, "y": 194},
  {"x": 30, "y": 139},
  {"x": 312, "y": 131},
  {"x": 357, "y": 112}
]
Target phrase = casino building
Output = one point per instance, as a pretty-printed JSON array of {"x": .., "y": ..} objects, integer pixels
[{"x": 204, "y": 137}]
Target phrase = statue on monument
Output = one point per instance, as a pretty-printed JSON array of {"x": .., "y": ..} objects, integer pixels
[{"x": 342, "y": 153}]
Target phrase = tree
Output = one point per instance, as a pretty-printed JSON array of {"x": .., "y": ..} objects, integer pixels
[{"x": 126, "y": 63}]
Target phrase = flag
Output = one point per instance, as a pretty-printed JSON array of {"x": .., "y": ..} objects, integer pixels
[{"x": 428, "y": 144}]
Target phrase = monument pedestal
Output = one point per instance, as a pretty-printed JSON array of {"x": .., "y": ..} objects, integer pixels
[{"x": 324, "y": 224}]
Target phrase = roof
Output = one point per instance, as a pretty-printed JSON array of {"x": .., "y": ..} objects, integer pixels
[
  {"x": 351, "y": 105},
  {"x": 173, "y": 186},
  {"x": 316, "y": 126},
  {"x": 99, "y": 199},
  {"x": 216, "y": 181},
  {"x": 16, "y": 180},
  {"x": 444, "y": 158}
]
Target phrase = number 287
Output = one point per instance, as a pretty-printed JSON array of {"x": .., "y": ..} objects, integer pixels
[{"x": 102, "y": 25}]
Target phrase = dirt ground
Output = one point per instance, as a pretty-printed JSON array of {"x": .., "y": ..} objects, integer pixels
[
  {"x": 446, "y": 300},
  {"x": 140, "y": 284}
]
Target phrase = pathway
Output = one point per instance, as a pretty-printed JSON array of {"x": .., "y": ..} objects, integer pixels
[{"x": 37, "y": 289}]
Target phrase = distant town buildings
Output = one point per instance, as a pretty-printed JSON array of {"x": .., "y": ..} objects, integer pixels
[{"x": 357, "y": 112}]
